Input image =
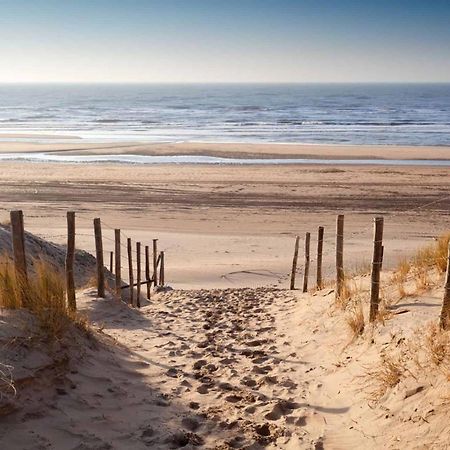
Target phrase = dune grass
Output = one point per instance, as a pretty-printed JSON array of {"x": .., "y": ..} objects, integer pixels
[{"x": 43, "y": 294}]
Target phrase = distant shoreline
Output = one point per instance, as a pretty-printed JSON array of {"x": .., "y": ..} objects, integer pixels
[{"x": 280, "y": 153}]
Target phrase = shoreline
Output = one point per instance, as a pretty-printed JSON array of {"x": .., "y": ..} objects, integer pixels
[{"x": 234, "y": 151}]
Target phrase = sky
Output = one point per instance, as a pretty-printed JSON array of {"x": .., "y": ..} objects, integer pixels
[{"x": 183, "y": 41}]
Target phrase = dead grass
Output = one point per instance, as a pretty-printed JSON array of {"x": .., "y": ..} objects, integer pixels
[
  {"x": 387, "y": 374},
  {"x": 43, "y": 294},
  {"x": 355, "y": 320},
  {"x": 433, "y": 255},
  {"x": 6, "y": 381},
  {"x": 437, "y": 346}
]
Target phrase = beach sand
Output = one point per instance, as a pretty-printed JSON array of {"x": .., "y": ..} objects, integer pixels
[
  {"x": 226, "y": 364},
  {"x": 234, "y": 226}
]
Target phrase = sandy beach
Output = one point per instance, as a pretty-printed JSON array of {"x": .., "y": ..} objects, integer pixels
[{"x": 234, "y": 226}]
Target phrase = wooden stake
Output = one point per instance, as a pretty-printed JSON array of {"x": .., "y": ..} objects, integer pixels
[
  {"x": 445, "y": 313},
  {"x": 138, "y": 274},
  {"x": 339, "y": 255},
  {"x": 161, "y": 269},
  {"x": 18, "y": 244},
  {"x": 118, "y": 264},
  {"x": 376, "y": 267},
  {"x": 111, "y": 259},
  {"x": 294, "y": 263},
  {"x": 319, "y": 257},
  {"x": 99, "y": 257},
  {"x": 307, "y": 258},
  {"x": 130, "y": 270},
  {"x": 155, "y": 263},
  {"x": 147, "y": 270},
  {"x": 70, "y": 256}
]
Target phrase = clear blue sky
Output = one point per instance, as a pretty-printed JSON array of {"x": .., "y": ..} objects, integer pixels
[{"x": 224, "y": 40}]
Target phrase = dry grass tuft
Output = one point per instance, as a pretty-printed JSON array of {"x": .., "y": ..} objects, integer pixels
[
  {"x": 387, "y": 374},
  {"x": 43, "y": 295},
  {"x": 400, "y": 276},
  {"x": 355, "y": 320},
  {"x": 437, "y": 345},
  {"x": 433, "y": 255},
  {"x": 6, "y": 381}
]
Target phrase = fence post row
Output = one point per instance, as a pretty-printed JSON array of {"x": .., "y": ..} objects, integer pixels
[
  {"x": 307, "y": 259},
  {"x": 339, "y": 255},
  {"x": 138, "y": 274},
  {"x": 130, "y": 270},
  {"x": 99, "y": 257},
  {"x": 18, "y": 244},
  {"x": 147, "y": 270},
  {"x": 118, "y": 264},
  {"x": 294, "y": 263},
  {"x": 155, "y": 262},
  {"x": 445, "y": 313},
  {"x": 319, "y": 257},
  {"x": 70, "y": 256},
  {"x": 376, "y": 267},
  {"x": 161, "y": 269}
]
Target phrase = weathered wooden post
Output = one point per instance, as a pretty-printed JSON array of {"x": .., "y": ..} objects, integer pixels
[
  {"x": 307, "y": 259},
  {"x": 18, "y": 244},
  {"x": 147, "y": 270},
  {"x": 155, "y": 262},
  {"x": 111, "y": 259},
  {"x": 130, "y": 270},
  {"x": 70, "y": 256},
  {"x": 445, "y": 313},
  {"x": 376, "y": 267},
  {"x": 319, "y": 257},
  {"x": 161, "y": 269},
  {"x": 99, "y": 257},
  {"x": 339, "y": 256},
  {"x": 138, "y": 274},
  {"x": 118, "y": 264},
  {"x": 294, "y": 263}
]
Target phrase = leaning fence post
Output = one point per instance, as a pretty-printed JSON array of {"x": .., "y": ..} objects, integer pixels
[
  {"x": 155, "y": 262},
  {"x": 376, "y": 267},
  {"x": 130, "y": 270},
  {"x": 18, "y": 243},
  {"x": 161, "y": 269},
  {"x": 294, "y": 263},
  {"x": 319, "y": 257},
  {"x": 445, "y": 313},
  {"x": 70, "y": 256},
  {"x": 339, "y": 255},
  {"x": 99, "y": 257},
  {"x": 307, "y": 258},
  {"x": 138, "y": 274},
  {"x": 147, "y": 270},
  {"x": 118, "y": 264}
]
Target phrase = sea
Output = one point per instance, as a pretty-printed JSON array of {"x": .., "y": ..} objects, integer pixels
[{"x": 401, "y": 114}]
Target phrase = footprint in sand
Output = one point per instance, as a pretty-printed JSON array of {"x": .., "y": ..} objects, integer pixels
[{"x": 282, "y": 408}]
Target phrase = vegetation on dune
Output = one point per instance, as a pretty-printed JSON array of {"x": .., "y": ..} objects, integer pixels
[{"x": 43, "y": 294}]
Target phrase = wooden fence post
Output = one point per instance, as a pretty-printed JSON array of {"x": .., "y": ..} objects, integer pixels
[
  {"x": 147, "y": 270},
  {"x": 155, "y": 262},
  {"x": 111, "y": 259},
  {"x": 99, "y": 257},
  {"x": 130, "y": 270},
  {"x": 161, "y": 269},
  {"x": 138, "y": 274},
  {"x": 118, "y": 264},
  {"x": 294, "y": 263},
  {"x": 445, "y": 313},
  {"x": 307, "y": 259},
  {"x": 18, "y": 244},
  {"x": 376, "y": 267},
  {"x": 339, "y": 256},
  {"x": 70, "y": 256},
  {"x": 319, "y": 257}
]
